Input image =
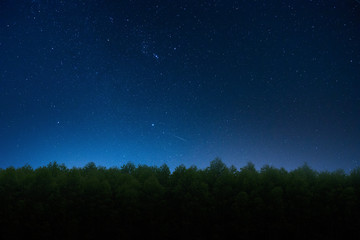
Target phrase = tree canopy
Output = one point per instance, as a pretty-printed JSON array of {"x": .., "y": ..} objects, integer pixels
[{"x": 217, "y": 202}]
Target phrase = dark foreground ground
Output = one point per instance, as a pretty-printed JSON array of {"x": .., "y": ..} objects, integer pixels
[{"x": 218, "y": 202}]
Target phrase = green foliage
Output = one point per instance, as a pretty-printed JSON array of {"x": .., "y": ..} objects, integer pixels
[{"x": 218, "y": 202}]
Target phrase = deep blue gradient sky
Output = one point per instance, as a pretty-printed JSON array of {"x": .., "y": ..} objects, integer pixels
[{"x": 180, "y": 82}]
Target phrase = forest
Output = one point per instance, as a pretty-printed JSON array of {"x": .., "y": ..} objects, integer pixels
[{"x": 217, "y": 202}]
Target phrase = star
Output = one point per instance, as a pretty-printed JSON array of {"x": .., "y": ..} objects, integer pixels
[{"x": 155, "y": 56}]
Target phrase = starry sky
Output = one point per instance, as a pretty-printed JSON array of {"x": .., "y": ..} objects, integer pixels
[{"x": 180, "y": 82}]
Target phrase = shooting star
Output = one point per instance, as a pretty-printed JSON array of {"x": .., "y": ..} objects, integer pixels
[{"x": 180, "y": 138}]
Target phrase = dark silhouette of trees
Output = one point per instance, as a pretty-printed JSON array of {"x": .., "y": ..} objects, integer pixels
[{"x": 218, "y": 202}]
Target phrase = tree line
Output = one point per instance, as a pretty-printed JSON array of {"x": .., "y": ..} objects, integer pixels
[{"x": 218, "y": 202}]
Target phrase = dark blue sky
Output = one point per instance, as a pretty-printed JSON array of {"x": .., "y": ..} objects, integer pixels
[{"x": 180, "y": 82}]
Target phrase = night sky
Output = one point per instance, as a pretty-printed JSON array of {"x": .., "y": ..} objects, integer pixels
[{"x": 180, "y": 82}]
